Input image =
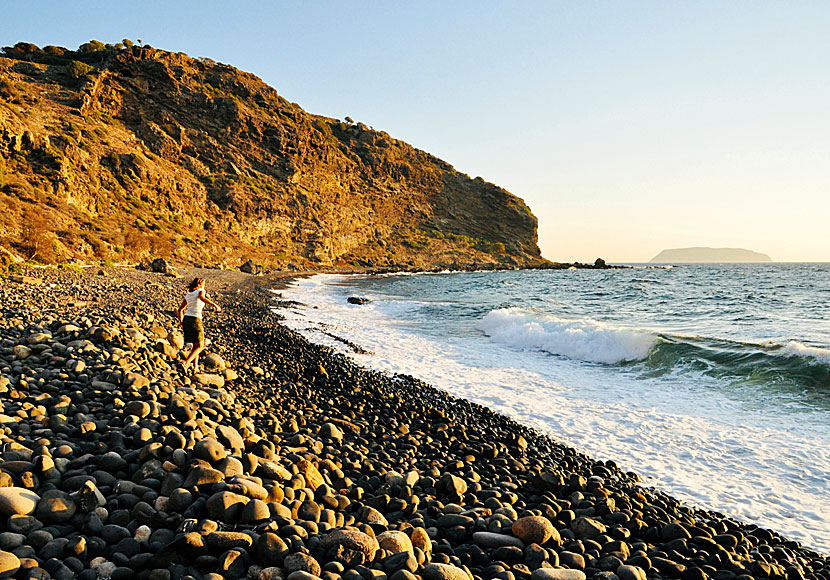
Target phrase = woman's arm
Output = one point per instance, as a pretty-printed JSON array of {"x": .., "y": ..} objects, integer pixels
[
  {"x": 182, "y": 307},
  {"x": 203, "y": 297}
]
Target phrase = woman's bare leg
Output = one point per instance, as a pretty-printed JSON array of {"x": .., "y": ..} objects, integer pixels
[{"x": 193, "y": 356}]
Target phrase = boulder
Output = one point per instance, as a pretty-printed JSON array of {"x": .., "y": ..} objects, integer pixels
[{"x": 160, "y": 266}]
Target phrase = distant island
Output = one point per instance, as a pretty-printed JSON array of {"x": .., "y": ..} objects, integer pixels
[{"x": 710, "y": 255}]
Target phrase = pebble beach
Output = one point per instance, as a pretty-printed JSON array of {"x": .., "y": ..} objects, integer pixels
[{"x": 283, "y": 460}]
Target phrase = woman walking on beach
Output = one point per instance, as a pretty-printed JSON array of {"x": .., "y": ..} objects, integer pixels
[{"x": 190, "y": 318}]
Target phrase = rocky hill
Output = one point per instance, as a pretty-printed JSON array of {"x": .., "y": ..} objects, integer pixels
[
  {"x": 709, "y": 255},
  {"x": 124, "y": 153}
]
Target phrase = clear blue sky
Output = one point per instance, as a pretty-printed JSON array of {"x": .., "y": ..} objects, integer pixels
[{"x": 628, "y": 127}]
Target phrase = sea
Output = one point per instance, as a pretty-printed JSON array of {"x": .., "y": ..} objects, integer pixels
[{"x": 712, "y": 382}]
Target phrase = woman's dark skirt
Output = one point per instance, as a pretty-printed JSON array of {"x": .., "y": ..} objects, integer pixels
[{"x": 193, "y": 330}]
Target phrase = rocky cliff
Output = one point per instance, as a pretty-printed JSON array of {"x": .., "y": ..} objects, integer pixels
[{"x": 123, "y": 153}]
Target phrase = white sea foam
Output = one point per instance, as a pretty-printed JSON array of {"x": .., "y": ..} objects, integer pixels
[
  {"x": 585, "y": 339},
  {"x": 681, "y": 435},
  {"x": 794, "y": 348}
]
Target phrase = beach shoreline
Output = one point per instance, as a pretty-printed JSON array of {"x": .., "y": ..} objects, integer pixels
[{"x": 420, "y": 458}]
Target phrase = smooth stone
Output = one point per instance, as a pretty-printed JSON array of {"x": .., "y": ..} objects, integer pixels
[
  {"x": 17, "y": 500},
  {"x": 55, "y": 507},
  {"x": 225, "y": 506},
  {"x": 438, "y": 571},
  {"x": 628, "y": 572},
  {"x": 299, "y": 561},
  {"x": 312, "y": 475},
  {"x": 222, "y": 541},
  {"x": 209, "y": 380},
  {"x": 23, "y": 524},
  {"x": 587, "y": 528},
  {"x": 352, "y": 539},
  {"x": 9, "y": 564},
  {"x": 557, "y": 574},
  {"x": 255, "y": 511},
  {"x": 210, "y": 450},
  {"x": 213, "y": 361},
  {"x": 572, "y": 560},
  {"x": 302, "y": 575},
  {"x": 533, "y": 529},
  {"x": 395, "y": 542},
  {"x": 11, "y": 540},
  {"x": 202, "y": 475},
  {"x": 332, "y": 431},
  {"x": 421, "y": 540},
  {"x": 493, "y": 540}
]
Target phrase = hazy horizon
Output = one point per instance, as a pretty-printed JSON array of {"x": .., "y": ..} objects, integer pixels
[{"x": 628, "y": 129}]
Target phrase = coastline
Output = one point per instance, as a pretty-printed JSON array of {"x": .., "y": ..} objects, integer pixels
[{"x": 359, "y": 435}]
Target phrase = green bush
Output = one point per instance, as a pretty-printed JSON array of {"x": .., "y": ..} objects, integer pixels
[
  {"x": 77, "y": 69},
  {"x": 55, "y": 50},
  {"x": 91, "y": 46},
  {"x": 27, "y": 48},
  {"x": 71, "y": 267}
]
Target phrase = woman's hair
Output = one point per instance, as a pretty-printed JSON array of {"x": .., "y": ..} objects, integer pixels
[{"x": 195, "y": 283}]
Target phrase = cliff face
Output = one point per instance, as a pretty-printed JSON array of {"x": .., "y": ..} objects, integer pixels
[{"x": 131, "y": 153}]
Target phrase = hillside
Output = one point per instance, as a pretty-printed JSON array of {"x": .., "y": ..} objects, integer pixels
[
  {"x": 125, "y": 153},
  {"x": 692, "y": 255}
]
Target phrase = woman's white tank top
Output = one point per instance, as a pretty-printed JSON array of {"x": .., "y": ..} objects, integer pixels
[{"x": 194, "y": 305}]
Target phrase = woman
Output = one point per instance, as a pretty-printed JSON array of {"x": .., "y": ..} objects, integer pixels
[{"x": 190, "y": 318}]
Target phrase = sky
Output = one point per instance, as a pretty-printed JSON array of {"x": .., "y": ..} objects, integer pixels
[{"x": 627, "y": 127}]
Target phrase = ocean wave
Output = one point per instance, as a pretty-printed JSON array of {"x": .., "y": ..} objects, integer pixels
[
  {"x": 772, "y": 366},
  {"x": 795, "y": 348},
  {"x": 791, "y": 369},
  {"x": 585, "y": 339}
]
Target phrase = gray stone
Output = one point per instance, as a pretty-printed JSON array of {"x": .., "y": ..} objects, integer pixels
[
  {"x": 55, "y": 507},
  {"x": 492, "y": 540}
]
